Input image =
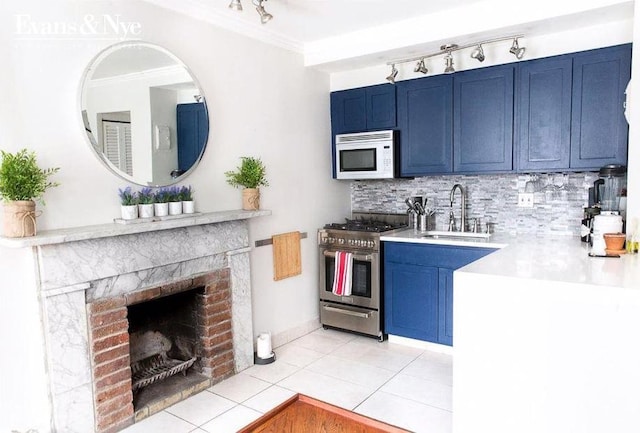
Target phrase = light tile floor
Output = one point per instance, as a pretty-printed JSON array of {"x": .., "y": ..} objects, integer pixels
[{"x": 400, "y": 385}]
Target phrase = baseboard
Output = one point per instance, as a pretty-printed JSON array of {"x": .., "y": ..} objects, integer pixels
[
  {"x": 289, "y": 335},
  {"x": 433, "y": 347}
]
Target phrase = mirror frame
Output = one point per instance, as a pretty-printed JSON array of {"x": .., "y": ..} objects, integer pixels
[{"x": 90, "y": 136}]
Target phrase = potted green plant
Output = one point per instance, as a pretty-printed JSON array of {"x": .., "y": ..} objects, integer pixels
[
  {"x": 186, "y": 196},
  {"x": 250, "y": 174},
  {"x": 22, "y": 182},
  {"x": 128, "y": 203},
  {"x": 145, "y": 202}
]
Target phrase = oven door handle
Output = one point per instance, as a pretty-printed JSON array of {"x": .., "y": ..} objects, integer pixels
[
  {"x": 347, "y": 312},
  {"x": 367, "y": 258}
]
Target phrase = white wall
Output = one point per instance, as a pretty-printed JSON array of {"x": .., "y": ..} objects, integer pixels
[
  {"x": 163, "y": 113},
  {"x": 277, "y": 110}
]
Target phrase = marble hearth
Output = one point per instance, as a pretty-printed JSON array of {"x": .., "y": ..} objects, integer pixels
[{"x": 78, "y": 269}]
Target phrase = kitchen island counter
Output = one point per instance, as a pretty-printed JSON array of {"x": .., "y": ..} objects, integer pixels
[
  {"x": 545, "y": 338},
  {"x": 554, "y": 259}
]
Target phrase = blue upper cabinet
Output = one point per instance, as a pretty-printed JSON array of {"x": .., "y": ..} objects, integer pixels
[
  {"x": 363, "y": 109},
  {"x": 425, "y": 124},
  {"x": 544, "y": 114},
  {"x": 599, "y": 131},
  {"x": 483, "y": 120}
]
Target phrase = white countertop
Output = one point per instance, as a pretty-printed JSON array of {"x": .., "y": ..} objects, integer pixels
[
  {"x": 49, "y": 237},
  {"x": 558, "y": 258}
]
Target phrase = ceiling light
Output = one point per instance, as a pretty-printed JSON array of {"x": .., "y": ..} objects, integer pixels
[
  {"x": 516, "y": 50},
  {"x": 421, "y": 67},
  {"x": 392, "y": 76},
  {"x": 478, "y": 53},
  {"x": 235, "y": 4},
  {"x": 448, "y": 61},
  {"x": 265, "y": 16}
]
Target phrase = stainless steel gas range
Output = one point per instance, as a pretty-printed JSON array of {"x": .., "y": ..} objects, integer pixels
[{"x": 360, "y": 312}]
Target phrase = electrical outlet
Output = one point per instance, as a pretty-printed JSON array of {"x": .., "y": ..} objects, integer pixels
[{"x": 525, "y": 199}]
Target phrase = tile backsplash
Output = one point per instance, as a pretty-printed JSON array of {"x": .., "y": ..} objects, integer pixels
[{"x": 558, "y": 200}]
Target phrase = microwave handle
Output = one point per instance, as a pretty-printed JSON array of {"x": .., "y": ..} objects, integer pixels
[{"x": 367, "y": 258}]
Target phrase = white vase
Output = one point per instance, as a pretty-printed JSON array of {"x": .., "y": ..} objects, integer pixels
[
  {"x": 161, "y": 209},
  {"x": 145, "y": 210},
  {"x": 188, "y": 206},
  {"x": 175, "y": 207},
  {"x": 129, "y": 212}
]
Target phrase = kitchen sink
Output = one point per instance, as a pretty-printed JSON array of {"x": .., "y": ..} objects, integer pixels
[{"x": 435, "y": 234}]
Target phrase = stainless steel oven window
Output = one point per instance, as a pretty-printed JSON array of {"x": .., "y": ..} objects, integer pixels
[{"x": 360, "y": 276}]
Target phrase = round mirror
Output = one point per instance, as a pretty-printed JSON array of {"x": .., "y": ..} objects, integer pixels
[{"x": 144, "y": 114}]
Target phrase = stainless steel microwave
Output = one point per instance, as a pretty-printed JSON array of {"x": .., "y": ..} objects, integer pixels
[{"x": 366, "y": 155}]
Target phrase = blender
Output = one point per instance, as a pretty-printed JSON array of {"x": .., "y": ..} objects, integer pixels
[{"x": 608, "y": 189}]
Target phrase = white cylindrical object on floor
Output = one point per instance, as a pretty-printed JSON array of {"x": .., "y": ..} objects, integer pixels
[{"x": 263, "y": 344}]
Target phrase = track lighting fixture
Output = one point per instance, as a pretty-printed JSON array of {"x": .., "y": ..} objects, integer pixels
[
  {"x": 448, "y": 49},
  {"x": 448, "y": 61},
  {"x": 478, "y": 53},
  {"x": 265, "y": 16},
  {"x": 421, "y": 67},
  {"x": 516, "y": 50},
  {"x": 235, "y": 4},
  {"x": 392, "y": 76}
]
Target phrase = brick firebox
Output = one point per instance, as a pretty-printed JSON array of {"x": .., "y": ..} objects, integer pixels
[{"x": 109, "y": 342}]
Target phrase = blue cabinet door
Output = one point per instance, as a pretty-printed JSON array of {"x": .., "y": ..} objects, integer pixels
[
  {"x": 543, "y": 139},
  {"x": 192, "y": 131},
  {"x": 483, "y": 120},
  {"x": 348, "y": 111},
  {"x": 425, "y": 124},
  {"x": 381, "y": 106},
  {"x": 599, "y": 131},
  {"x": 411, "y": 301}
]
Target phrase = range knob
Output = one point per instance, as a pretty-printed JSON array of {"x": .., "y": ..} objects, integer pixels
[{"x": 341, "y": 241}]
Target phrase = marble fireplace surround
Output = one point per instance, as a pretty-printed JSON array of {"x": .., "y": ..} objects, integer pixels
[{"x": 82, "y": 265}]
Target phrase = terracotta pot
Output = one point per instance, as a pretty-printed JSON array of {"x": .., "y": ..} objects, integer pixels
[
  {"x": 19, "y": 219},
  {"x": 250, "y": 199}
]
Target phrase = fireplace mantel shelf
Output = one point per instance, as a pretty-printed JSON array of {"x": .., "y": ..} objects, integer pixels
[{"x": 73, "y": 234}]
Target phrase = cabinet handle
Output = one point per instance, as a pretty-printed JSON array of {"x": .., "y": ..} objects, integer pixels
[{"x": 347, "y": 312}]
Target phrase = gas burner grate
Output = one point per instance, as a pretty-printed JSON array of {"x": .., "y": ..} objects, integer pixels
[{"x": 155, "y": 368}]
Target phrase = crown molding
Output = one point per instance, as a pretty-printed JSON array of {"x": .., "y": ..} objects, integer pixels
[{"x": 195, "y": 9}]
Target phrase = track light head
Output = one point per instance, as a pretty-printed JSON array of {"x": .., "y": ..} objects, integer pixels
[
  {"x": 265, "y": 16},
  {"x": 392, "y": 76},
  {"x": 421, "y": 67},
  {"x": 235, "y": 4},
  {"x": 478, "y": 53},
  {"x": 448, "y": 61},
  {"x": 516, "y": 50}
]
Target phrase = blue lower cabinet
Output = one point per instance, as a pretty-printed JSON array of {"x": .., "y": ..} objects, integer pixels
[
  {"x": 411, "y": 301},
  {"x": 418, "y": 288}
]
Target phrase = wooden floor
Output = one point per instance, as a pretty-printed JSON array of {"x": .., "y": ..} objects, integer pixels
[{"x": 305, "y": 414}]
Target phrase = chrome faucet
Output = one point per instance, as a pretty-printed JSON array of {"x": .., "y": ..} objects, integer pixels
[{"x": 463, "y": 212}]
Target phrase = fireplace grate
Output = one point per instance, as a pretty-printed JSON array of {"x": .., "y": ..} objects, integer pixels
[{"x": 155, "y": 368}]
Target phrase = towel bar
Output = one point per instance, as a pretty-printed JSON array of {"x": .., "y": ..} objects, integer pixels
[{"x": 263, "y": 242}]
